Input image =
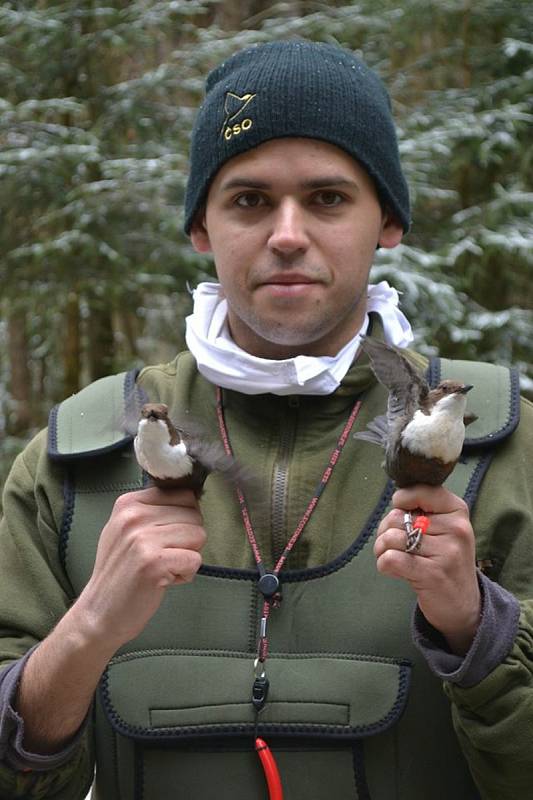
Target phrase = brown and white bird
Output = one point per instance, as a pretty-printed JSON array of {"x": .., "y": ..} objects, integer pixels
[
  {"x": 178, "y": 455},
  {"x": 423, "y": 430}
]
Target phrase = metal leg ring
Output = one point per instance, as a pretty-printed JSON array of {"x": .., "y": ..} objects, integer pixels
[{"x": 413, "y": 535}]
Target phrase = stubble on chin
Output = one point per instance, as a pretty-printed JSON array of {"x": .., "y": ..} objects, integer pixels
[{"x": 320, "y": 334}]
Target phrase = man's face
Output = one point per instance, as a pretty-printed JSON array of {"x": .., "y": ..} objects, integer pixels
[{"x": 293, "y": 226}]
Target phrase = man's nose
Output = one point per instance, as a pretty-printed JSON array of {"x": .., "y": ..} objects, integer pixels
[{"x": 289, "y": 232}]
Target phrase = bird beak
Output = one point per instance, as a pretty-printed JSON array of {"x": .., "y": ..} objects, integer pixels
[{"x": 466, "y": 388}]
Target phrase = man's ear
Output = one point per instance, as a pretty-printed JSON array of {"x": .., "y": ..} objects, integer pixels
[
  {"x": 199, "y": 235},
  {"x": 391, "y": 231}
]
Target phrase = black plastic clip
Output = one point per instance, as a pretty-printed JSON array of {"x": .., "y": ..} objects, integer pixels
[{"x": 260, "y": 692}]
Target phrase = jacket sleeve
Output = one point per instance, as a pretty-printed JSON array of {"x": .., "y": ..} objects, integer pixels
[
  {"x": 34, "y": 594},
  {"x": 494, "y": 718}
]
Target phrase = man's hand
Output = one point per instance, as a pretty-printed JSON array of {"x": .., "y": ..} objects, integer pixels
[
  {"x": 443, "y": 571},
  {"x": 152, "y": 540}
]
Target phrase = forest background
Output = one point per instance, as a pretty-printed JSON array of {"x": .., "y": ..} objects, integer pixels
[{"x": 96, "y": 105}]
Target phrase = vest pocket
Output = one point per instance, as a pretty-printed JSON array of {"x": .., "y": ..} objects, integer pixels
[
  {"x": 231, "y": 771},
  {"x": 189, "y": 718},
  {"x": 182, "y": 695}
]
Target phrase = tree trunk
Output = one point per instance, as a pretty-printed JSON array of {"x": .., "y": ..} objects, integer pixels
[
  {"x": 231, "y": 14},
  {"x": 20, "y": 420},
  {"x": 100, "y": 339},
  {"x": 72, "y": 347},
  {"x": 128, "y": 324}
]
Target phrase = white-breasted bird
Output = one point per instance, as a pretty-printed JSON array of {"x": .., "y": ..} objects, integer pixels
[
  {"x": 423, "y": 430},
  {"x": 179, "y": 455}
]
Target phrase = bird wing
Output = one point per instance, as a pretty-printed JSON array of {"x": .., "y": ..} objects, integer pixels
[
  {"x": 210, "y": 452},
  {"x": 133, "y": 403},
  {"x": 407, "y": 387},
  {"x": 211, "y": 455},
  {"x": 376, "y": 432}
]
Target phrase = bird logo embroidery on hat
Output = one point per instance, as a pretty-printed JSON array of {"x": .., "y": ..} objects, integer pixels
[{"x": 234, "y": 106}]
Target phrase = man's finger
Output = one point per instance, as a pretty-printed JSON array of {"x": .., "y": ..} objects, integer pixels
[
  {"x": 181, "y": 565},
  {"x": 429, "y": 499},
  {"x": 412, "y": 567},
  {"x": 396, "y": 539},
  {"x": 154, "y": 496}
]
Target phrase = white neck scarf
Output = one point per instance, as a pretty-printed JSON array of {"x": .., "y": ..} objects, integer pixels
[{"x": 222, "y": 362}]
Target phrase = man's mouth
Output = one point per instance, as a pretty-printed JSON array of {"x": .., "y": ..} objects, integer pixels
[
  {"x": 288, "y": 286},
  {"x": 288, "y": 279}
]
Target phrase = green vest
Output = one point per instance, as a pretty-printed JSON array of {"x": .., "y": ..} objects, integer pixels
[{"x": 353, "y": 710}]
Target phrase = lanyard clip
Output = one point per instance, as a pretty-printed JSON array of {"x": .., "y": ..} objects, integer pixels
[
  {"x": 259, "y": 686},
  {"x": 260, "y": 691}
]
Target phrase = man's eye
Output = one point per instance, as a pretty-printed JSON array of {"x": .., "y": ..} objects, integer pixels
[
  {"x": 249, "y": 200},
  {"x": 328, "y": 198}
]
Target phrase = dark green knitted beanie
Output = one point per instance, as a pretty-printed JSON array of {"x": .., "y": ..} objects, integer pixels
[{"x": 296, "y": 88}]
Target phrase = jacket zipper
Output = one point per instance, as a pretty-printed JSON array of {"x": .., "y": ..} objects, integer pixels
[{"x": 280, "y": 482}]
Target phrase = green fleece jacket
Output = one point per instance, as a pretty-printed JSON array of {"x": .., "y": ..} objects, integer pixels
[{"x": 287, "y": 440}]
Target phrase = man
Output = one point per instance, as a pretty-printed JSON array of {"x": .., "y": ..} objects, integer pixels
[{"x": 160, "y": 635}]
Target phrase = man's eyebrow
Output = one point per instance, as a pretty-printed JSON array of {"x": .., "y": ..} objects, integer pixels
[
  {"x": 325, "y": 181},
  {"x": 320, "y": 182},
  {"x": 244, "y": 183}
]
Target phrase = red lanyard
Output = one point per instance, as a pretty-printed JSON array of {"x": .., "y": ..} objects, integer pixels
[{"x": 269, "y": 584}]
